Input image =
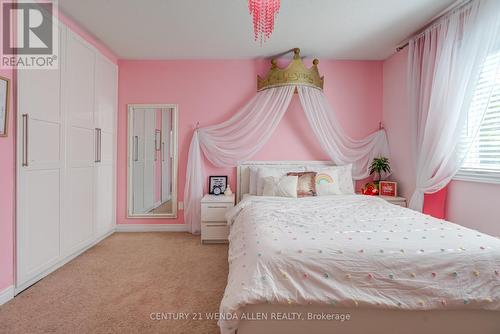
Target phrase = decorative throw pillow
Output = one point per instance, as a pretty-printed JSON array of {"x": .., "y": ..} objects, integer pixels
[
  {"x": 327, "y": 183},
  {"x": 306, "y": 185},
  {"x": 285, "y": 186},
  {"x": 278, "y": 172},
  {"x": 346, "y": 184}
]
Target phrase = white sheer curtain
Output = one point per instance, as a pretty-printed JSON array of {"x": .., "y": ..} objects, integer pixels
[
  {"x": 444, "y": 66},
  {"x": 333, "y": 139},
  {"x": 236, "y": 139}
]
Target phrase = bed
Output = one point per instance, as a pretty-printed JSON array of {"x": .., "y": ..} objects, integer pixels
[{"x": 307, "y": 264}]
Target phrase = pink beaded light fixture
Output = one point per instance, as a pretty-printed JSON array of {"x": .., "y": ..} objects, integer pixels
[{"x": 264, "y": 14}]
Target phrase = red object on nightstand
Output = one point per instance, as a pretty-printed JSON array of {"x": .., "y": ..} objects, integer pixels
[{"x": 370, "y": 189}]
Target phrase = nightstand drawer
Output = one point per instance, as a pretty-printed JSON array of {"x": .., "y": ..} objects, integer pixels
[
  {"x": 214, "y": 211},
  {"x": 214, "y": 231}
]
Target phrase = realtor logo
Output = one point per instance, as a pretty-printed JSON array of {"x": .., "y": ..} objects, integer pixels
[{"x": 29, "y": 35}]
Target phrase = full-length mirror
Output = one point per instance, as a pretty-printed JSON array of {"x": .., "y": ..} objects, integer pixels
[{"x": 152, "y": 160}]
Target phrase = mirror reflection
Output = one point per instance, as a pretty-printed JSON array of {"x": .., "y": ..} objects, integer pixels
[{"x": 152, "y": 161}]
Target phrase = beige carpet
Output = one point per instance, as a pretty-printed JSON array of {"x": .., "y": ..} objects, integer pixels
[{"x": 116, "y": 285}]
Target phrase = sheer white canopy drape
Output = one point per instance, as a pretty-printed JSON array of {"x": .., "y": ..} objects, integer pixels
[
  {"x": 333, "y": 139},
  {"x": 243, "y": 135},
  {"x": 444, "y": 66}
]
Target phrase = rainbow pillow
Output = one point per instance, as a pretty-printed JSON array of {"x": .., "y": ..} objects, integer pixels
[{"x": 327, "y": 183}]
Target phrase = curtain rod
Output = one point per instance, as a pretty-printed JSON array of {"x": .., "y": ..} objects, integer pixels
[
  {"x": 401, "y": 47},
  {"x": 455, "y": 6}
]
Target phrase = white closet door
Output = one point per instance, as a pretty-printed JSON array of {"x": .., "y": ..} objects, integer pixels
[
  {"x": 40, "y": 161},
  {"x": 149, "y": 158},
  {"x": 78, "y": 227},
  {"x": 106, "y": 101},
  {"x": 138, "y": 162},
  {"x": 166, "y": 128}
]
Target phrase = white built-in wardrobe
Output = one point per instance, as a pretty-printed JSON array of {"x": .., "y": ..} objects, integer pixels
[{"x": 66, "y": 149}]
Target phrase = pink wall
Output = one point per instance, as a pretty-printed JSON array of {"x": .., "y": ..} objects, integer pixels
[
  {"x": 475, "y": 205},
  {"x": 469, "y": 204},
  {"x": 7, "y": 168},
  {"x": 210, "y": 91},
  {"x": 7, "y": 194},
  {"x": 397, "y": 121}
]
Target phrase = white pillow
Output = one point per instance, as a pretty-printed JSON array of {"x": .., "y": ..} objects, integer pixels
[
  {"x": 327, "y": 182},
  {"x": 285, "y": 186},
  {"x": 346, "y": 184},
  {"x": 278, "y": 172}
]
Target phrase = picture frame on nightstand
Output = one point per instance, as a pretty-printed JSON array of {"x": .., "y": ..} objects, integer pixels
[
  {"x": 388, "y": 188},
  {"x": 217, "y": 184}
]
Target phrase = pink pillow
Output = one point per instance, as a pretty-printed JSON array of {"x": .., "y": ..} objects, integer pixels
[{"x": 306, "y": 184}]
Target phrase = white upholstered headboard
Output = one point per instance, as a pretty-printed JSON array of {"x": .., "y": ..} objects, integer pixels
[{"x": 243, "y": 171}]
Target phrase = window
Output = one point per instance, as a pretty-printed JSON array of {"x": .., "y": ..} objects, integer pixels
[{"x": 482, "y": 162}]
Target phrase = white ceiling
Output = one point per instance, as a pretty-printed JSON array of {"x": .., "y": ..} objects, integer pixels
[{"x": 195, "y": 29}]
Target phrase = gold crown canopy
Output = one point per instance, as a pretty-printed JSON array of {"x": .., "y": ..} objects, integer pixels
[{"x": 296, "y": 73}]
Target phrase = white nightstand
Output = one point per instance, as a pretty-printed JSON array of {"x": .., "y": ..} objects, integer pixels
[
  {"x": 401, "y": 201},
  {"x": 214, "y": 228}
]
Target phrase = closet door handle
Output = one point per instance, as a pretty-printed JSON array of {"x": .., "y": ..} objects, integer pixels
[
  {"x": 162, "y": 151},
  {"x": 136, "y": 149},
  {"x": 99, "y": 131},
  {"x": 96, "y": 145},
  {"x": 25, "y": 140}
]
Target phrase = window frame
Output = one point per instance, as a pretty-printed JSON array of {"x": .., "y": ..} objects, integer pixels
[
  {"x": 481, "y": 173},
  {"x": 478, "y": 175}
]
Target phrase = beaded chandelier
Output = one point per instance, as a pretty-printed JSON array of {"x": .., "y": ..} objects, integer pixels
[{"x": 264, "y": 13}]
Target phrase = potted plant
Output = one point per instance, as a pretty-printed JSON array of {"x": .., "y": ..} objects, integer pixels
[{"x": 379, "y": 165}]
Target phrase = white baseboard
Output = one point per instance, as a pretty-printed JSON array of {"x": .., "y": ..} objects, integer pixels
[
  {"x": 7, "y": 294},
  {"x": 151, "y": 228}
]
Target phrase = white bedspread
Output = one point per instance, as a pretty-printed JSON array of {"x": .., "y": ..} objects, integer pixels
[{"x": 354, "y": 251}]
